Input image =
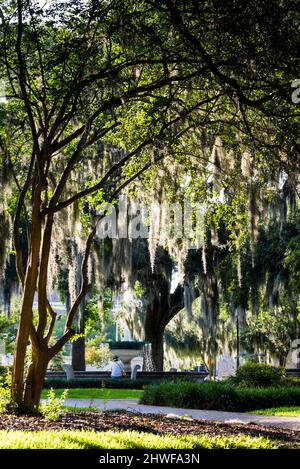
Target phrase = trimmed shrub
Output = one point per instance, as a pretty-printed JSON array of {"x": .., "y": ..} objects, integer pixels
[
  {"x": 255, "y": 375},
  {"x": 122, "y": 383},
  {"x": 219, "y": 396},
  {"x": 126, "y": 345}
]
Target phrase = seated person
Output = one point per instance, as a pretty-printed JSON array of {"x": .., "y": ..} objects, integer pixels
[{"x": 117, "y": 368}]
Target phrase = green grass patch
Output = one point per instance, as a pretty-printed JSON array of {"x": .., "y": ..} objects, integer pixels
[
  {"x": 126, "y": 440},
  {"x": 100, "y": 393},
  {"x": 67, "y": 408},
  {"x": 293, "y": 411}
]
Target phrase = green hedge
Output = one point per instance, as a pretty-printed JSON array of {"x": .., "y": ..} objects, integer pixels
[
  {"x": 219, "y": 396},
  {"x": 122, "y": 383},
  {"x": 126, "y": 345}
]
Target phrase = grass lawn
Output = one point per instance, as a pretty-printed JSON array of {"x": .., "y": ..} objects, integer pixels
[
  {"x": 279, "y": 411},
  {"x": 67, "y": 408},
  {"x": 76, "y": 439},
  {"x": 100, "y": 393}
]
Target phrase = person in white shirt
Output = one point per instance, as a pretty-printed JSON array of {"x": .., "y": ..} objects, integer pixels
[{"x": 117, "y": 368}]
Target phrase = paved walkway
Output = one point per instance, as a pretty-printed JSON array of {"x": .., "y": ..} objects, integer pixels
[{"x": 132, "y": 405}]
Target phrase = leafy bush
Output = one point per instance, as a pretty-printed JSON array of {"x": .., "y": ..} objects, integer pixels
[
  {"x": 122, "y": 383},
  {"x": 4, "y": 369},
  {"x": 52, "y": 409},
  {"x": 8, "y": 330},
  {"x": 6, "y": 403},
  {"x": 292, "y": 381},
  {"x": 255, "y": 374},
  {"x": 66, "y": 439},
  {"x": 97, "y": 355},
  {"x": 5, "y": 396},
  {"x": 219, "y": 396}
]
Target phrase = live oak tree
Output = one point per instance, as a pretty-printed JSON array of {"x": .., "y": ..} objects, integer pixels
[
  {"x": 251, "y": 53},
  {"x": 152, "y": 303}
]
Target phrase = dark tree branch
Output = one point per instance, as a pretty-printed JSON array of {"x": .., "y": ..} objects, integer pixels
[
  {"x": 22, "y": 81},
  {"x": 197, "y": 46},
  {"x": 16, "y": 234},
  {"x": 120, "y": 164}
]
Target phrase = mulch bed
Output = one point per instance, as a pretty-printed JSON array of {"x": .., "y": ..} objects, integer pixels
[{"x": 117, "y": 421}]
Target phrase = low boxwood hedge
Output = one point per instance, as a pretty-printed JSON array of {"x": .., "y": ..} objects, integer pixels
[
  {"x": 118, "y": 383},
  {"x": 219, "y": 396},
  {"x": 127, "y": 345},
  {"x": 122, "y": 383}
]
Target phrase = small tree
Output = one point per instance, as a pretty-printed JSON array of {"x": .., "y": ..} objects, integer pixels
[{"x": 70, "y": 78}]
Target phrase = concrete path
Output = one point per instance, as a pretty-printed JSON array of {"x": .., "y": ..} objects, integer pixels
[{"x": 132, "y": 405}]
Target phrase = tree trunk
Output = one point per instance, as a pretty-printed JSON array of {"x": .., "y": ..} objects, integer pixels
[
  {"x": 282, "y": 360},
  {"x": 78, "y": 354},
  {"x": 35, "y": 380},
  {"x": 78, "y": 345},
  {"x": 163, "y": 308},
  {"x": 154, "y": 333},
  {"x": 29, "y": 288}
]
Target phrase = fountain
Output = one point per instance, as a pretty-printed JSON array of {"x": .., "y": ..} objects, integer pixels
[{"x": 148, "y": 364}]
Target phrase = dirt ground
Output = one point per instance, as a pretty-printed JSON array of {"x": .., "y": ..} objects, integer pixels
[{"x": 113, "y": 420}]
